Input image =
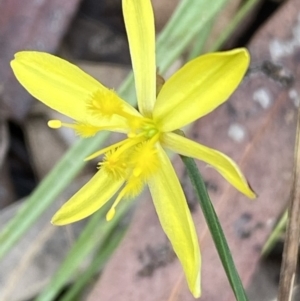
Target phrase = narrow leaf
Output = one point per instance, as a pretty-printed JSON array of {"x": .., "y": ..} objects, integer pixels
[{"x": 215, "y": 229}]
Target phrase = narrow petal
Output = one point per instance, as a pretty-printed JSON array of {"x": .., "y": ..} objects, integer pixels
[
  {"x": 223, "y": 164},
  {"x": 199, "y": 87},
  {"x": 61, "y": 85},
  {"x": 91, "y": 197},
  {"x": 176, "y": 220},
  {"x": 139, "y": 22}
]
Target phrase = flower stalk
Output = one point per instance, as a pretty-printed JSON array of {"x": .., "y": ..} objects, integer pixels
[{"x": 215, "y": 229}]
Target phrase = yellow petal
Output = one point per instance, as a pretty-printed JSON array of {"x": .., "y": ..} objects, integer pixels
[
  {"x": 176, "y": 220},
  {"x": 199, "y": 87},
  {"x": 223, "y": 164},
  {"x": 62, "y": 86},
  {"x": 88, "y": 199},
  {"x": 139, "y": 22}
]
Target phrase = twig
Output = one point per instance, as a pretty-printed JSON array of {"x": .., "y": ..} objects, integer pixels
[{"x": 291, "y": 244}]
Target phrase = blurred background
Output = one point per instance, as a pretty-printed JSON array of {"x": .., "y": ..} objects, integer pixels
[{"x": 131, "y": 259}]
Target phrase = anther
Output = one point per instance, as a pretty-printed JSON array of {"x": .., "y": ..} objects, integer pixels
[
  {"x": 54, "y": 124},
  {"x": 110, "y": 214}
]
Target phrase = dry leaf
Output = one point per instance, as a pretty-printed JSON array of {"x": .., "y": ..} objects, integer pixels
[{"x": 34, "y": 25}]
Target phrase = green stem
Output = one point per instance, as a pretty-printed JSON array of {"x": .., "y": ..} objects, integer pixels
[{"x": 215, "y": 229}]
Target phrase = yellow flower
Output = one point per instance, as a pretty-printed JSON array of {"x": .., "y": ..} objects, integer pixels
[{"x": 192, "y": 92}]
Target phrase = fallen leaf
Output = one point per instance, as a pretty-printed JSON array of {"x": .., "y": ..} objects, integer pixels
[
  {"x": 28, "y": 25},
  {"x": 32, "y": 262},
  {"x": 7, "y": 195}
]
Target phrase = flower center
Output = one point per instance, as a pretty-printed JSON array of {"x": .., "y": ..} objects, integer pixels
[
  {"x": 134, "y": 159},
  {"x": 135, "y": 163},
  {"x": 144, "y": 127},
  {"x": 150, "y": 131}
]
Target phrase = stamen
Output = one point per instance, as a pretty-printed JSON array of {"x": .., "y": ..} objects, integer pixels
[
  {"x": 115, "y": 161},
  {"x": 56, "y": 124},
  {"x": 86, "y": 130},
  {"x": 120, "y": 146},
  {"x": 111, "y": 212},
  {"x": 133, "y": 188},
  {"x": 105, "y": 150},
  {"x": 144, "y": 160},
  {"x": 114, "y": 165},
  {"x": 129, "y": 143},
  {"x": 105, "y": 103}
]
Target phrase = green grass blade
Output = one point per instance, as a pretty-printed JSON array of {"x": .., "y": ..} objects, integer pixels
[
  {"x": 275, "y": 235},
  {"x": 43, "y": 196},
  {"x": 215, "y": 229},
  {"x": 102, "y": 255},
  {"x": 242, "y": 13},
  {"x": 81, "y": 248},
  {"x": 199, "y": 43},
  {"x": 191, "y": 17},
  {"x": 97, "y": 230}
]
